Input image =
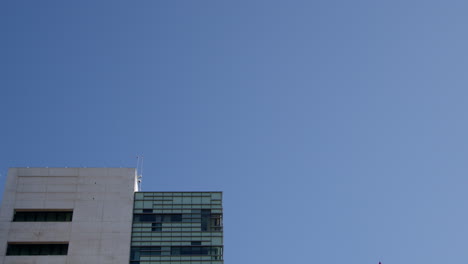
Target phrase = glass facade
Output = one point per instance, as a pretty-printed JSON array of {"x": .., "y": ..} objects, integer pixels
[{"x": 177, "y": 227}]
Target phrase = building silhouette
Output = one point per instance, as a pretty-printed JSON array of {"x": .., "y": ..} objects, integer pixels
[{"x": 96, "y": 215}]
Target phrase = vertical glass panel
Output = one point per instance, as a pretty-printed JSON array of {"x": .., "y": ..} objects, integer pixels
[
  {"x": 216, "y": 196},
  {"x": 30, "y": 217},
  {"x": 175, "y": 251},
  {"x": 41, "y": 217},
  {"x": 69, "y": 216},
  {"x": 216, "y": 241}
]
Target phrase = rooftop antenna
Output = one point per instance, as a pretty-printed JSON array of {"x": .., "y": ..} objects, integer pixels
[{"x": 139, "y": 169}]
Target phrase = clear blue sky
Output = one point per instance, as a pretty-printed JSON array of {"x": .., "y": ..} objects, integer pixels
[{"x": 336, "y": 129}]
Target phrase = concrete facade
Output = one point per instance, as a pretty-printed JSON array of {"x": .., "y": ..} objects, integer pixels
[{"x": 102, "y": 203}]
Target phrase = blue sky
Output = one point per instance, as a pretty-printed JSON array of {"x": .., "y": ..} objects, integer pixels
[{"x": 336, "y": 129}]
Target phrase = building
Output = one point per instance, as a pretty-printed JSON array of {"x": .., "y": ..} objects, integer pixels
[
  {"x": 96, "y": 215},
  {"x": 177, "y": 227}
]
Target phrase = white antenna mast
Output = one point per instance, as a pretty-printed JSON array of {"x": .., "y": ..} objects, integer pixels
[{"x": 139, "y": 169}]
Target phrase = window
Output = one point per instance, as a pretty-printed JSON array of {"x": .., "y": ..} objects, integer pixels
[
  {"x": 205, "y": 219},
  {"x": 155, "y": 227},
  {"x": 176, "y": 218},
  {"x": 43, "y": 216},
  {"x": 194, "y": 251},
  {"x": 158, "y": 218},
  {"x": 216, "y": 222},
  {"x": 27, "y": 249},
  {"x": 145, "y": 218},
  {"x": 137, "y": 252}
]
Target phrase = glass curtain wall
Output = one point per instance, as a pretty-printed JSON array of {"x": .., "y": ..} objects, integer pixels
[{"x": 177, "y": 227}]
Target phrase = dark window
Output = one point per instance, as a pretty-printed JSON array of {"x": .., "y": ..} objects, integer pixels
[
  {"x": 155, "y": 227},
  {"x": 147, "y": 210},
  {"x": 36, "y": 249},
  {"x": 157, "y": 218},
  {"x": 196, "y": 243},
  {"x": 29, "y": 216},
  {"x": 137, "y": 252},
  {"x": 205, "y": 219},
  {"x": 147, "y": 252},
  {"x": 176, "y": 218},
  {"x": 145, "y": 218},
  {"x": 166, "y": 218},
  {"x": 51, "y": 216},
  {"x": 183, "y": 251},
  {"x": 43, "y": 216}
]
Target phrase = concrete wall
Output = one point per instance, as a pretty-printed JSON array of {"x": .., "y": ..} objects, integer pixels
[{"x": 102, "y": 203}]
